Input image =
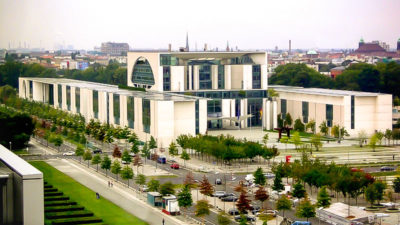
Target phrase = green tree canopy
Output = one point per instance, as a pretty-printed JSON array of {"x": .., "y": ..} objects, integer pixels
[{"x": 167, "y": 188}]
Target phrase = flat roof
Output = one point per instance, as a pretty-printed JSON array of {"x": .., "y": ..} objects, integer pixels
[
  {"x": 191, "y": 55},
  {"x": 151, "y": 95},
  {"x": 341, "y": 209},
  {"x": 323, "y": 91},
  {"x": 18, "y": 165}
]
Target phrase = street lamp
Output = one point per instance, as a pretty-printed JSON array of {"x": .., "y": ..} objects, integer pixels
[{"x": 10, "y": 145}]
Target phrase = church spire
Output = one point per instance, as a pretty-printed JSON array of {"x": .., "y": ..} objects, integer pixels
[
  {"x": 227, "y": 46},
  {"x": 187, "y": 41}
]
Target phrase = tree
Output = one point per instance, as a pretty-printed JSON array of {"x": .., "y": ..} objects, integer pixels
[
  {"x": 202, "y": 209},
  {"x": 96, "y": 160},
  {"x": 396, "y": 185},
  {"x": 284, "y": 140},
  {"x": 362, "y": 137},
  {"x": 137, "y": 161},
  {"x": 127, "y": 173},
  {"x": 205, "y": 187},
  {"x": 298, "y": 190},
  {"x": 185, "y": 156},
  {"x": 265, "y": 139},
  {"x": 323, "y": 128},
  {"x": 298, "y": 125},
  {"x": 152, "y": 143},
  {"x": 116, "y": 168},
  {"x": 153, "y": 185},
  {"x": 223, "y": 219},
  {"x": 261, "y": 195},
  {"x": 141, "y": 179},
  {"x": 288, "y": 120},
  {"x": 57, "y": 141},
  {"x": 135, "y": 148},
  {"x": 323, "y": 198},
  {"x": 145, "y": 152},
  {"x": 316, "y": 142},
  {"x": 380, "y": 187},
  {"x": 370, "y": 194},
  {"x": 296, "y": 139},
  {"x": 126, "y": 157},
  {"x": 87, "y": 156},
  {"x": 283, "y": 203},
  {"x": 305, "y": 209},
  {"x": 372, "y": 142},
  {"x": 106, "y": 163},
  {"x": 173, "y": 150},
  {"x": 116, "y": 152},
  {"x": 167, "y": 188},
  {"x": 79, "y": 151},
  {"x": 185, "y": 198},
  {"x": 189, "y": 180},
  {"x": 379, "y": 136},
  {"x": 243, "y": 203},
  {"x": 272, "y": 93},
  {"x": 311, "y": 125},
  {"x": 388, "y": 135},
  {"x": 259, "y": 177},
  {"x": 277, "y": 186}
]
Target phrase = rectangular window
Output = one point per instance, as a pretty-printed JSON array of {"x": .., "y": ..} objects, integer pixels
[
  {"x": 256, "y": 76},
  {"x": 146, "y": 115},
  {"x": 166, "y": 78},
  {"x": 30, "y": 89},
  {"x": 283, "y": 108},
  {"x": 116, "y": 108},
  {"x": 221, "y": 76},
  {"x": 329, "y": 115},
  {"x": 96, "y": 104},
  {"x": 51, "y": 94},
  {"x": 77, "y": 99},
  {"x": 131, "y": 111},
  {"x": 59, "y": 95},
  {"x": 205, "y": 77},
  {"x": 214, "y": 111},
  {"x": 68, "y": 98},
  {"x": 305, "y": 112},
  {"x": 197, "y": 116},
  {"x": 352, "y": 112},
  {"x": 254, "y": 107}
]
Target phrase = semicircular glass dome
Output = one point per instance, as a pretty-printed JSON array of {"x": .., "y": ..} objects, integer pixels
[{"x": 142, "y": 73}]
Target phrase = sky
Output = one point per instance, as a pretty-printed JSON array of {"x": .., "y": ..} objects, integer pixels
[{"x": 248, "y": 24}]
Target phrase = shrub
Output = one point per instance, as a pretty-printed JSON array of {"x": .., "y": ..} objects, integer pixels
[{"x": 298, "y": 125}]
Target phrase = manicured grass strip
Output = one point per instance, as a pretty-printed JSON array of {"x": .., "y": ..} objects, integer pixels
[
  {"x": 386, "y": 173},
  {"x": 59, "y": 203},
  {"x": 78, "y": 220},
  {"x": 68, "y": 214},
  {"x": 108, "y": 211},
  {"x": 63, "y": 208}
]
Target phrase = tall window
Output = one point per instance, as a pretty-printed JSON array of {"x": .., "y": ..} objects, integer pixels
[
  {"x": 78, "y": 99},
  {"x": 130, "y": 111},
  {"x": 329, "y": 115},
  {"x": 254, "y": 107},
  {"x": 256, "y": 76},
  {"x": 305, "y": 112},
  {"x": 30, "y": 89},
  {"x": 214, "y": 111},
  {"x": 237, "y": 109},
  {"x": 146, "y": 115},
  {"x": 142, "y": 73},
  {"x": 68, "y": 98},
  {"x": 283, "y": 108},
  {"x": 352, "y": 112},
  {"x": 197, "y": 116},
  {"x": 116, "y": 108},
  {"x": 59, "y": 95},
  {"x": 51, "y": 94},
  {"x": 166, "y": 78},
  {"x": 205, "y": 77},
  {"x": 96, "y": 104},
  {"x": 221, "y": 77}
]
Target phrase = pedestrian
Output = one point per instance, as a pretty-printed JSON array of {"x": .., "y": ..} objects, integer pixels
[
  {"x": 393, "y": 157},
  {"x": 163, "y": 221},
  {"x": 97, "y": 195},
  {"x": 109, "y": 184}
]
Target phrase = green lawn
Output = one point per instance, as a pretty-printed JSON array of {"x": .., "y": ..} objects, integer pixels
[{"x": 108, "y": 211}]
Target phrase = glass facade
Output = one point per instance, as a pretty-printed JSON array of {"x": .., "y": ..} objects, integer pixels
[
  {"x": 30, "y": 89},
  {"x": 221, "y": 76},
  {"x": 51, "y": 94},
  {"x": 146, "y": 115},
  {"x": 197, "y": 116},
  {"x": 254, "y": 107},
  {"x": 142, "y": 73},
  {"x": 130, "y": 111},
  {"x": 305, "y": 111},
  {"x": 116, "y": 109},
  {"x": 68, "y": 97},
  {"x": 329, "y": 115},
  {"x": 241, "y": 60},
  {"x": 96, "y": 104},
  {"x": 352, "y": 112},
  {"x": 59, "y": 87},
  {"x": 78, "y": 99},
  {"x": 166, "y": 78},
  {"x": 256, "y": 77},
  {"x": 168, "y": 60},
  {"x": 214, "y": 110},
  {"x": 237, "y": 109},
  {"x": 205, "y": 77},
  {"x": 283, "y": 108},
  {"x": 229, "y": 94}
]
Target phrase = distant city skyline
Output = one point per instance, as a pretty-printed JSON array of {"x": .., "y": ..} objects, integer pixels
[{"x": 154, "y": 24}]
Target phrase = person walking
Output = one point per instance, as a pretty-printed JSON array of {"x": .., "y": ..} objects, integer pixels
[{"x": 163, "y": 221}]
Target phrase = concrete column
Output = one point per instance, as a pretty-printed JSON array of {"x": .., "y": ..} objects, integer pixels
[
  {"x": 243, "y": 111},
  {"x": 196, "y": 77},
  {"x": 264, "y": 77},
  {"x": 73, "y": 101},
  {"x": 190, "y": 77},
  {"x": 214, "y": 76},
  {"x": 64, "y": 97},
  {"x": 275, "y": 114},
  {"x": 227, "y": 74},
  {"x": 37, "y": 91}
]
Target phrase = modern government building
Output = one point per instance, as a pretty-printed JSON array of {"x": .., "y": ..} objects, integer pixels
[{"x": 192, "y": 92}]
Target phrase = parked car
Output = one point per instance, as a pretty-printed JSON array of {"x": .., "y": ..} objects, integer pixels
[
  {"x": 97, "y": 151},
  {"x": 219, "y": 194},
  {"x": 144, "y": 188},
  {"x": 301, "y": 223},
  {"x": 227, "y": 195},
  {"x": 269, "y": 175},
  {"x": 175, "y": 166},
  {"x": 69, "y": 153},
  {"x": 255, "y": 209},
  {"x": 387, "y": 168},
  {"x": 125, "y": 162},
  {"x": 218, "y": 181},
  {"x": 271, "y": 212},
  {"x": 248, "y": 217},
  {"x": 132, "y": 154},
  {"x": 233, "y": 212},
  {"x": 162, "y": 160},
  {"x": 229, "y": 199}
]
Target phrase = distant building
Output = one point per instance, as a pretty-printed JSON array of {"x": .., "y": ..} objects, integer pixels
[
  {"x": 372, "y": 47},
  {"x": 312, "y": 54},
  {"x": 337, "y": 71},
  {"x": 398, "y": 46},
  {"x": 112, "y": 48}
]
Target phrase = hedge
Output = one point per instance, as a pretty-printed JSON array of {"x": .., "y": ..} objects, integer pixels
[
  {"x": 59, "y": 203},
  {"x": 68, "y": 214},
  {"x": 63, "y": 208},
  {"x": 50, "y": 190},
  {"x": 48, "y": 186},
  {"x": 57, "y": 198},
  {"x": 48, "y": 194},
  {"x": 82, "y": 220}
]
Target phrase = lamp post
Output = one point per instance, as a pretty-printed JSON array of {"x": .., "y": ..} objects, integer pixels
[{"x": 10, "y": 145}]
